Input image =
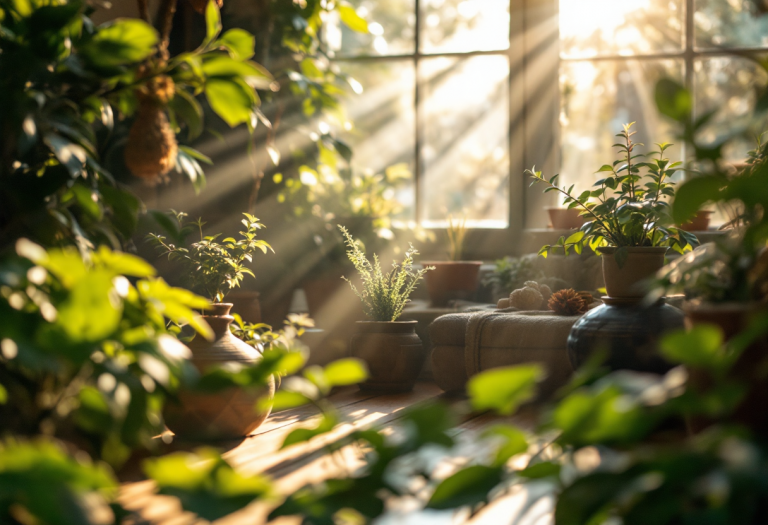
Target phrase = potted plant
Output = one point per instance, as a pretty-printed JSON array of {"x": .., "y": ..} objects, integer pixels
[
  {"x": 628, "y": 221},
  {"x": 699, "y": 222},
  {"x": 214, "y": 268},
  {"x": 454, "y": 278},
  {"x": 391, "y": 349},
  {"x": 564, "y": 218}
]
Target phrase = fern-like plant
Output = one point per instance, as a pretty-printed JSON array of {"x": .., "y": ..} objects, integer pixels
[{"x": 384, "y": 295}]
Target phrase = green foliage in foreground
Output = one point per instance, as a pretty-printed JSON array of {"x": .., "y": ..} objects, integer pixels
[
  {"x": 626, "y": 208},
  {"x": 383, "y": 295}
]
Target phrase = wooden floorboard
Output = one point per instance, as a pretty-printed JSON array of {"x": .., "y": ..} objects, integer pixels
[{"x": 309, "y": 463}]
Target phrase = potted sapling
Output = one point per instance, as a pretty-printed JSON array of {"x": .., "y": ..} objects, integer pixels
[
  {"x": 390, "y": 347},
  {"x": 214, "y": 267}
]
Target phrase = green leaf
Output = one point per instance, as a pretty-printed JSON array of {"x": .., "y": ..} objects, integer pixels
[
  {"x": 3, "y": 395},
  {"x": 239, "y": 42},
  {"x": 90, "y": 313},
  {"x": 468, "y": 486},
  {"x": 575, "y": 238},
  {"x": 72, "y": 156},
  {"x": 310, "y": 70},
  {"x": 229, "y": 100},
  {"x": 673, "y": 100},
  {"x": 514, "y": 442},
  {"x": 123, "y": 41},
  {"x": 204, "y": 483},
  {"x": 212, "y": 21},
  {"x": 283, "y": 400},
  {"x": 121, "y": 263},
  {"x": 227, "y": 67},
  {"x": 605, "y": 167},
  {"x": 349, "y": 371},
  {"x": 351, "y": 19},
  {"x": 188, "y": 108},
  {"x": 700, "y": 347},
  {"x": 693, "y": 194},
  {"x": 85, "y": 198},
  {"x": 301, "y": 435},
  {"x": 504, "y": 389}
]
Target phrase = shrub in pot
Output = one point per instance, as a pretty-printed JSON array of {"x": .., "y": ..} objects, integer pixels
[
  {"x": 391, "y": 349},
  {"x": 454, "y": 278},
  {"x": 214, "y": 268},
  {"x": 627, "y": 218}
]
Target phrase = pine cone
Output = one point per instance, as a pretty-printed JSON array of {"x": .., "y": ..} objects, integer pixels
[
  {"x": 526, "y": 299},
  {"x": 151, "y": 149},
  {"x": 567, "y": 302}
]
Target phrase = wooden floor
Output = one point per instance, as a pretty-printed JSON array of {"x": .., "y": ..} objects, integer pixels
[{"x": 299, "y": 465}]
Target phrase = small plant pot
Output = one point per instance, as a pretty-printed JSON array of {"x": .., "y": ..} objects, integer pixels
[
  {"x": 393, "y": 352},
  {"x": 451, "y": 280},
  {"x": 627, "y": 282},
  {"x": 699, "y": 222},
  {"x": 226, "y": 414},
  {"x": 565, "y": 219}
]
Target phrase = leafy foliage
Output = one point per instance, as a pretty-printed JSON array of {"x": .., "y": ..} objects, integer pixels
[
  {"x": 457, "y": 231},
  {"x": 209, "y": 266},
  {"x": 383, "y": 295},
  {"x": 511, "y": 273},
  {"x": 623, "y": 211},
  {"x": 69, "y": 85}
]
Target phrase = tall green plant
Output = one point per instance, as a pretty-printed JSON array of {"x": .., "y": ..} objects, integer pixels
[
  {"x": 213, "y": 268},
  {"x": 383, "y": 295},
  {"x": 627, "y": 208}
]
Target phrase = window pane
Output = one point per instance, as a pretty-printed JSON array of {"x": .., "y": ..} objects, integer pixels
[
  {"x": 721, "y": 23},
  {"x": 466, "y": 145},
  {"x": 464, "y": 25},
  {"x": 726, "y": 85},
  {"x": 597, "y": 98},
  {"x": 620, "y": 27},
  {"x": 384, "y": 125},
  {"x": 391, "y": 26}
]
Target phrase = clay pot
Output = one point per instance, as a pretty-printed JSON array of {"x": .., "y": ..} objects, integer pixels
[
  {"x": 246, "y": 304},
  {"x": 452, "y": 280},
  {"x": 227, "y": 414},
  {"x": 628, "y": 333},
  {"x": 393, "y": 352},
  {"x": 627, "y": 282},
  {"x": 565, "y": 219},
  {"x": 699, "y": 222}
]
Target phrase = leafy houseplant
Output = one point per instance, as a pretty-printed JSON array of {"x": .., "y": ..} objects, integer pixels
[
  {"x": 211, "y": 267},
  {"x": 455, "y": 278},
  {"x": 215, "y": 268},
  {"x": 391, "y": 348},
  {"x": 628, "y": 218},
  {"x": 511, "y": 273}
]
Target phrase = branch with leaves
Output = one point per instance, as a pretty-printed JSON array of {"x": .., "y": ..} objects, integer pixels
[{"x": 626, "y": 208}]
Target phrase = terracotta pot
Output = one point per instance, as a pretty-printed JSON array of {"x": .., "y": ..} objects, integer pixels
[
  {"x": 246, "y": 304},
  {"x": 627, "y": 282},
  {"x": 565, "y": 219},
  {"x": 393, "y": 352},
  {"x": 751, "y": 368},
  {"x": 699, "y": 222},
  {"x": 451, "y": 280},
  {"x": 227, "y": 414}
]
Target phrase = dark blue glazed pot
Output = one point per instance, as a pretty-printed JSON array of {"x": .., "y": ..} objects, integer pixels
[{"x": 628, "y": 333}]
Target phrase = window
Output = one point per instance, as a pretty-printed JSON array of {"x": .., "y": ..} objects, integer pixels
[
  {"x": 611, "y": 63},
  {"x": 440, "y": 97},
  {"x": 436, "y": 77}
]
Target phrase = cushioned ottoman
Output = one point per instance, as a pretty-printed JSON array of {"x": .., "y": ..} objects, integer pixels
[{"x": 464, "y": 344}]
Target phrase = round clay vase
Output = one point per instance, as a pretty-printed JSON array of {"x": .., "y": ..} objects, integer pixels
[
  {"x": 451, "y": 280},
  {"x": 227, "y": 414},
  {"x": 564, "y": 218},
  {"x": 699, "y": 222},
  {"x": 627, "y": 281},
  {"x": 629, "y": 335},
  {"x": 393, "y": 352}
]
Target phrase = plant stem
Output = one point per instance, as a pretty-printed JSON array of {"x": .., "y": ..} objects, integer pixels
[
  {"x": 143, "y": 10},
  {"x": 165, "y": 23}
]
